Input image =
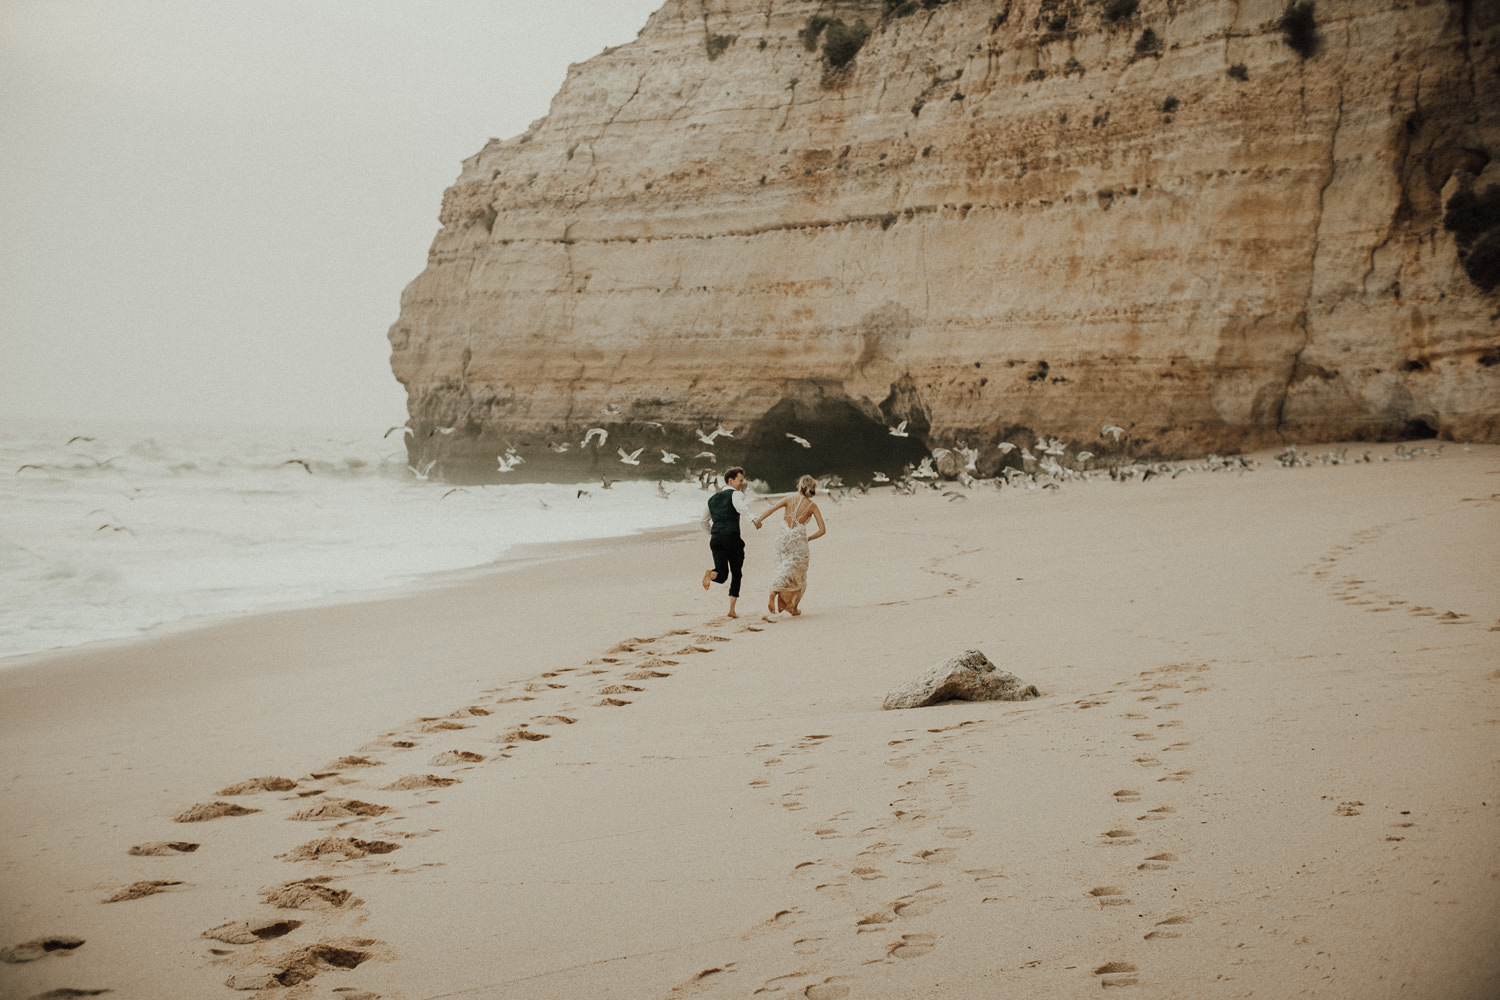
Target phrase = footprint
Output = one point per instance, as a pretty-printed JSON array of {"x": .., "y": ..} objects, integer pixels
[
  {"x": 1168, "y": 923},
  {"x": 1156, "y": 863},
  {"x": 1109, "y": 895},
  {"x": 415, "y": 781},
  {"x": 307, "y": 894},
  {"x": 1159, "y": 813},
  {"x": 808, "y": 946},
  {"x": 1116, "y": 837},
  {"x": 243, "y": 932},
  {"x": 521, "y": 735},
  {"x": 338, "y": 848},
  {"x": 612, "y": 702},
  {"x": 451, "y": 757},
  {"x": 331, "y": 809},
  {"x": 162, "y": 848},
  {"x": 138, "y": 890},
  {"x": 204, "y": 811},
  {"x": 1127, "y": 795},
  {"x": 912, "y": 946},
  {"x": 1117, "y": 974},
  {"x": 30, "y": 951},
  {"x": 259, "y": 785},
  {"x": 304, "y": 964},
  {"x": 828, "y": 989}
]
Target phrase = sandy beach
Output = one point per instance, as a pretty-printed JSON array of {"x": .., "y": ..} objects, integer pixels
[{"x": 1265, "y": 762}]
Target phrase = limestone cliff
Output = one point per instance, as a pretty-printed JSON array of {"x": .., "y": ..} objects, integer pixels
[{"x": 1219, "y": 224}]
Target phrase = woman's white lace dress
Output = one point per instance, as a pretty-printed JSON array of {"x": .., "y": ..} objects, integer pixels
[{"x": 791, "y": 558}]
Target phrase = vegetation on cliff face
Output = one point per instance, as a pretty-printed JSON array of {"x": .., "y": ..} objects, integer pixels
[{"x": 1300, "y": 28}]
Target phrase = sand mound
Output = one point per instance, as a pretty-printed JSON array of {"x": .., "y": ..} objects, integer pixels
[
  {"x": 254, "y": 785},
  {"x": 204, "y": 811},
  {"x": 348, "y": 847},
  {"x": 159, "y": 848}
]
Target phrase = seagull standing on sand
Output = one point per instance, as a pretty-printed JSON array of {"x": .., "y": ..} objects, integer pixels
[
  {"x": 633, "y": 458},
  {"x": 899, "y": 430},
  {"x": 881, "y": 477},
  {"x": 802, "y": 441},
  {"x": 603, "y": 436},
  {"x": 1005, "y": 447}
]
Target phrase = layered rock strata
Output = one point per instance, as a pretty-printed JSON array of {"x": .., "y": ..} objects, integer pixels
[{"x": 1201, "y": 220}]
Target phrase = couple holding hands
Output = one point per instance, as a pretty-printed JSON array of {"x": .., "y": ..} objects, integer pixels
[{"x": 789, "y": 581}]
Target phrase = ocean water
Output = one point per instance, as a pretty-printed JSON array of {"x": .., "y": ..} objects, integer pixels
[{"x": 108, "y": 531}]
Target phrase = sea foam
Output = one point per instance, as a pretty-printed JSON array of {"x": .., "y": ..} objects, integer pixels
[{"x": 128, "y": 527}]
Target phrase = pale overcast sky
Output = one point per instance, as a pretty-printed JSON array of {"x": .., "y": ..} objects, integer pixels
[{"x": 208, "y": 210}]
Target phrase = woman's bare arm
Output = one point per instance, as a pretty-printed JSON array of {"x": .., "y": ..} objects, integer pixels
[
  {"x": 822, "y": 528},
  {"x": 768, "y": 512}
]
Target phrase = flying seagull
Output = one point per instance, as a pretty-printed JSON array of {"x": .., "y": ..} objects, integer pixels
[
  {"x": 404, "y": 430},
  {"x": 708, "y": 455},
  {"x": 668, "y": 457},
  {"x": 603, "y": 436},
  {"x": 1112, "y": 430},
  {"x": 634, "y": 458},
  {"x": 1005, "y": 447},
  {"x": 298, "y": 461},
  {"x": 800, "y": 440},
  {"x": 78, "y": 437},
  {"x": 899, "y": 430}
]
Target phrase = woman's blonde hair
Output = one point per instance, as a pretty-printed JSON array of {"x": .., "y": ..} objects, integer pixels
[{"x": 807, "y": 486}]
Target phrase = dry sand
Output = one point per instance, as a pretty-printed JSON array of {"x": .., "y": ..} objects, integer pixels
[{"x": 1266, "y": 762}]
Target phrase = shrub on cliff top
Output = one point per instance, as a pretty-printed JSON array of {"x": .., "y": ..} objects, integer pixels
[
  {"x": 1299, "y": 28},
  {"x": 1149, "y": 44},
  {"x": 1119, "y": 10}
]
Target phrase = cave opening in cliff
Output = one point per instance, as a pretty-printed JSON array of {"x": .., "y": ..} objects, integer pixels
[{"x": 841, "y": 439}]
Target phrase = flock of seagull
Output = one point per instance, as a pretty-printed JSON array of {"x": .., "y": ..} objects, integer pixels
[{"x": 1045, "y": 464}]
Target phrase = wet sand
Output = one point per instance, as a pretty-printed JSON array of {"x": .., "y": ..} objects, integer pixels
[{"x": 1266, "y": 761}]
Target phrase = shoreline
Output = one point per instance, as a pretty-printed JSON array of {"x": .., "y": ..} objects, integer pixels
[{"x": 1262, "y": 745}]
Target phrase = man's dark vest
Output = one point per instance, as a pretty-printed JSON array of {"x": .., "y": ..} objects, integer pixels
[{"x": 726, "y": 518}]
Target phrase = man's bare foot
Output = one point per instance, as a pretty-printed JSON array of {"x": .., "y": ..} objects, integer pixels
[
  {"x": 793, "y": 611},
  {"x": 708, "y": 578},
  {"x": 733, "y": 615},
  {"x": 771, "y": 603}
]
